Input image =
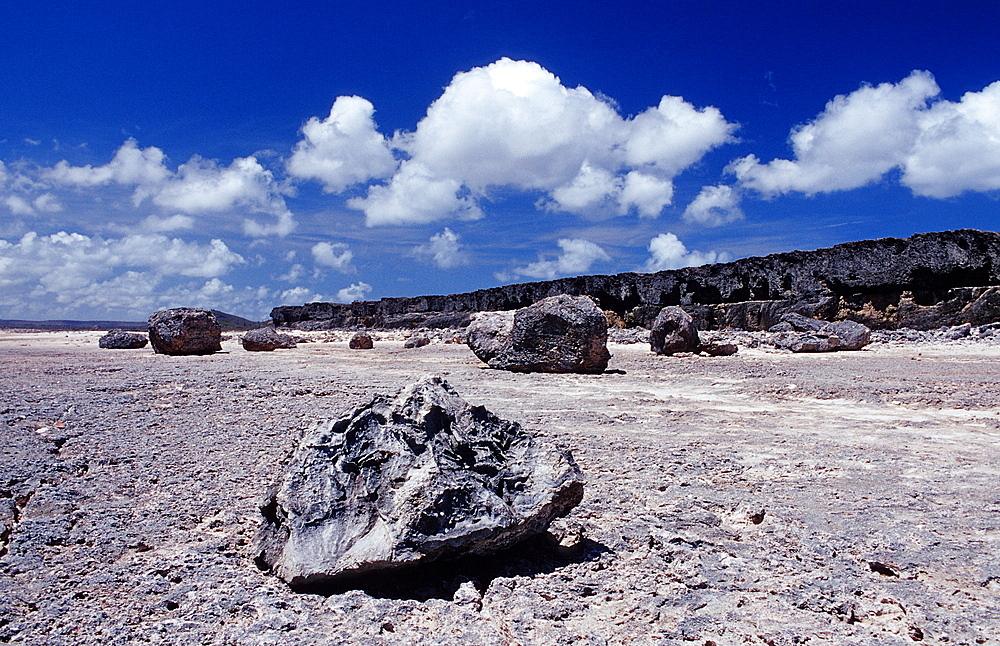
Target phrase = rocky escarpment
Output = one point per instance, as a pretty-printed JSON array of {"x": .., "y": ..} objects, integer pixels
[{"x": 924, "y": 281}]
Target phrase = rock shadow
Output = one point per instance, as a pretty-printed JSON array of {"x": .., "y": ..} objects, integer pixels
[{"x": 540, "y": 554}]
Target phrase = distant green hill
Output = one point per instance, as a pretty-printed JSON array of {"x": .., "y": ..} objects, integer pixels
[{"x": 229, "y": 323}]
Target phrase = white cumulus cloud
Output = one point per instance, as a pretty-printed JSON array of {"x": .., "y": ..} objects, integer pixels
[
  {"x": 443, "y": 249},
  {"x": 943, "y": 148},
  {"x": 355, "y": 292},
  {"x": 298, "y": 295},
  {"x": 668, "y": 252},
  {"x": 131, "y": 166},
  {"x": 336, "y": 255},
  {"x": 958, "y": 148},
  {"x": 577, "y": 257},
  {"x": 344, "y": 149},
  {"x": 71, "y": 268},
  {"x": 513, "y": 124},
  {"x": 714, "y": 206},
  {"x": 198, "y": 186},
  {"x": 415, "y": 196}
]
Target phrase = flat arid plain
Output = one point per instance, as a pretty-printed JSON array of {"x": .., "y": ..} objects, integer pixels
[{"x": 762, "y": 498}]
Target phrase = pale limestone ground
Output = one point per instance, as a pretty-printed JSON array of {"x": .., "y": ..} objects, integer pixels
[{"x": 765, "y": 498}]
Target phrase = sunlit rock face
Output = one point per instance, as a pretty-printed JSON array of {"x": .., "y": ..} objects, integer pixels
[{"x": 404, "y": 482}]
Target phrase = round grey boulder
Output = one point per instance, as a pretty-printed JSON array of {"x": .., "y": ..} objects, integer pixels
[
  {"x": 673, "y": 331},
  {"x": 265, "y": 339},
  {"x": 557, "y": 334},
  {"x": 361, "y": 341},
  {"x": 184, "y": 331}
]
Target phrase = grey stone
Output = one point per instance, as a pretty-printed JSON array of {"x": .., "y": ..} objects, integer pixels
[
  {"x": 718, "y": 349},
  {"x": 799, "y": 333},
  {"x": 958, "y": 332},
  {"x": 265, "y": 339},
  {"x": 673, "y": 331},
  {"x": 557, "y": 334},
  {"x": 408, "y": 481},
  {"x": 121, "y": 340},
  {"x": 183, "y": 331},
  {"x": 361, "y": 341},
  {"x": 418, "y": 341},
  {"x": 488, "y": 333}
]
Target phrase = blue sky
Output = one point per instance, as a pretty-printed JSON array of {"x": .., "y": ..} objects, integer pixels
[{"x": 242, "y": 155}]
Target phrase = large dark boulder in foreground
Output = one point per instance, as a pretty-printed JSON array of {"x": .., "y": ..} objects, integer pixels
[
  {"x": 556, "y": 334},
  {"x": 405, "y": 482},
  {"x": 265, "y": 339},
  {"x": 184, "y": 330},
  {"x": 118, "y": 339},
  {"x": 802, "y": 334},
  {"x": 673, "y": 331}
]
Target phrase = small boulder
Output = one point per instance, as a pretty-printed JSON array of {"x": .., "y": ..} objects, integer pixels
[
  {"x": 121, "y": 340},
  {"x": 361, "y": 341},
  {"x": 557, "y": 334},
  {"x": 718, "y": 349},
  {"x": 265, "y": 339},
  {"x": 799, "y": 333},
  {"x": 184, "y": 330},
  {"x": 673, "y": 331},
  {"x": 403, "y": 482},
  {"x": 417, "y": 341}
]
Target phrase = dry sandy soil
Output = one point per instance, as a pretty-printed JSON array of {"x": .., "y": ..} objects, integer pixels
[{"x": 764, "y": 498}]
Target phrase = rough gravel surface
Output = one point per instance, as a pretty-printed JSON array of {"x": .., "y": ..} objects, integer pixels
[{"x": 762, "y": 498}]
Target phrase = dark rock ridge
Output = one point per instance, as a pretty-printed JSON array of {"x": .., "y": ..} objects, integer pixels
[
  {"x": 402, "y": 483},
  {"x": 924, "y": 281}
]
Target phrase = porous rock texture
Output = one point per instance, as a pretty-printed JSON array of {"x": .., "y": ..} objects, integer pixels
[
  {"x": 265, "y": 339},
  {"x": 923, "y": 282},
  {"x": 401, "y": 483},
  {"x": 802, "y": 334},
  {"x": 673, "y": 331},
  {"x": 118, "y": 339},
  {"x": 557, "y": 334},
  {"x": 184, "y": 330},
  {"x": 361, "y": 341}
]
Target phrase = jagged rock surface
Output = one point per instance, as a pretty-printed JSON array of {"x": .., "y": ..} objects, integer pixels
[
  {"x": 406, "y": 482},
  {"x": 184, "y": 330},
  {"x": 265, "y": 339},
  {"x": 925, "y": 281},
  {"x": 118, "y": 339},
  {"x": 673, "y": 331},
  {"x": 557, "y": 334}
]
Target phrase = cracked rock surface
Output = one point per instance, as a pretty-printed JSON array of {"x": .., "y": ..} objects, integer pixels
[
  {"x": 761, "y": 498},
  {"x": 401, "y": 483}
]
